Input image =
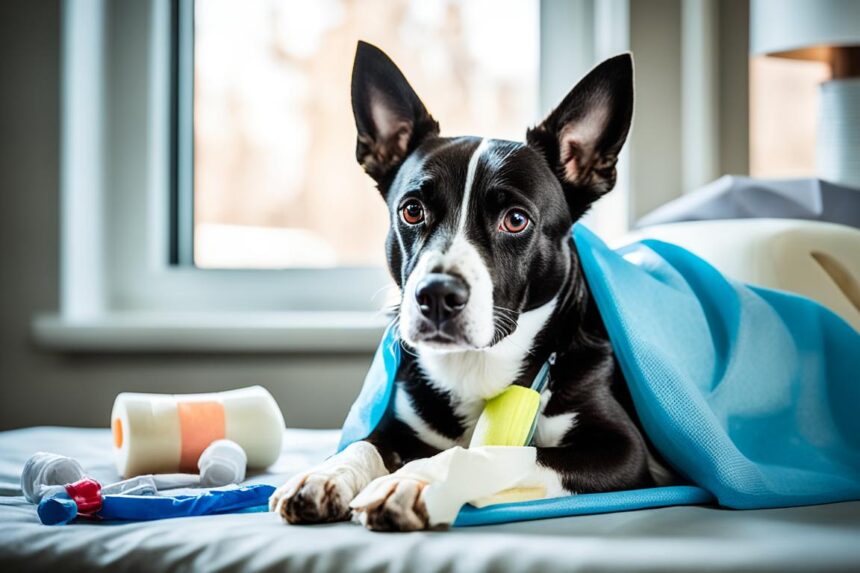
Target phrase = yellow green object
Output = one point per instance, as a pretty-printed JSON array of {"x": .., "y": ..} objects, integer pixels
[{"x": 508, "y": 419}]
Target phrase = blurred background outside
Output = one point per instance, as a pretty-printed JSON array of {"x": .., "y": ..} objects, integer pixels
[{"x": 276, "y": 181}]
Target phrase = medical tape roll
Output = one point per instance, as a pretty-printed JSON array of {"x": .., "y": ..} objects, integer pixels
[{"x": 164, "y": 433}]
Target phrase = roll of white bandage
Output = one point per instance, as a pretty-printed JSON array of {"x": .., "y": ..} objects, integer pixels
[{"x": 163, "y": 433}]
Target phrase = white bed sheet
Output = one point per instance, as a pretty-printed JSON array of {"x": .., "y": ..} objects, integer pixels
[{"x": 821, "y": 538}]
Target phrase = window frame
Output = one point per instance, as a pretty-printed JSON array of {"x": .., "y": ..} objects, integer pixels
[{"x": 139, "y": 173}]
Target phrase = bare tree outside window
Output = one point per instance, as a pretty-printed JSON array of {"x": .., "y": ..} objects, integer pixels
[{"x": 276, "y": 182}]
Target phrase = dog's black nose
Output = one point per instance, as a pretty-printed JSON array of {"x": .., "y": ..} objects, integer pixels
[{"x": 441, "y": 297}]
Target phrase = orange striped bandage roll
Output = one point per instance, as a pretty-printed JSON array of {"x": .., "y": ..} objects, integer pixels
[{"x": 166, "y": 433}]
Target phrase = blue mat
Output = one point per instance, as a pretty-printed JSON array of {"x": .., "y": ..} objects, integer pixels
[{"x": 749, "y": 393}]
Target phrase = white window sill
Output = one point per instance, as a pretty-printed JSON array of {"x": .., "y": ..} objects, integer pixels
[{"x": 349, "y": 332}]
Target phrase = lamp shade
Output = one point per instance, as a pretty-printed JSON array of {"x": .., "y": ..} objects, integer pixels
[{"x": 784, "y": 27}]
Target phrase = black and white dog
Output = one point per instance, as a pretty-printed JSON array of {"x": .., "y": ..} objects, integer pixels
[{"x": 491, "y": 285}]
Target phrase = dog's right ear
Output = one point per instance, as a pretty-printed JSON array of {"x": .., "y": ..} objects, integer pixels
[{"x": 389, "y": 116}]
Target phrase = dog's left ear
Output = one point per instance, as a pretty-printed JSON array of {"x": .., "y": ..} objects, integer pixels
[
  {"x": 582, "y": 137},
  {"x": 389, "y": 115}
]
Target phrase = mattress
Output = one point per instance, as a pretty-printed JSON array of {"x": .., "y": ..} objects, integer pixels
[{"x": 821, "y": 538}]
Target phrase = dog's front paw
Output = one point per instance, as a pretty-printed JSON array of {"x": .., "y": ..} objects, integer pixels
[
  {"x": 313, "y": 498},
  {"x": 323, "y": 494},
  {"x": 392, "y": 503}
]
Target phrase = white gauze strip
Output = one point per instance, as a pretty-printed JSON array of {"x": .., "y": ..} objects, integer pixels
[{"x": 458, "y": 476}]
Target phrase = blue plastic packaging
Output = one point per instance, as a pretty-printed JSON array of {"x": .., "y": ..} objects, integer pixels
[{"x": 60, "y": 509}]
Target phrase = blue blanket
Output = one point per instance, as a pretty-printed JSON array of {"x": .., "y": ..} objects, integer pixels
[{"x": 749, "y": 393}]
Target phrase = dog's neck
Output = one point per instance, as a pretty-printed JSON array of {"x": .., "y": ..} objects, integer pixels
[
  {"x": 473, "y": 376},
  {"x": 477, "y": 375}
]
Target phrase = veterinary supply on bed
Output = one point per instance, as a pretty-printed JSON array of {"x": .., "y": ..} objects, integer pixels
[
  {"x": 749, "y": 393},
  {"x": 164, "y": 433},
  {"x": 220, "y": 464},
  {"x": 85, "y": 498},
  {"x": 45, "y": 472},
  {"x": 62, "y": 490}
]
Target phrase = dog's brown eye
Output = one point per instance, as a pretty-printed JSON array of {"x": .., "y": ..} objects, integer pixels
[
  {"x": 514, "y": 221},
  {"x": 412, "y": 212}
]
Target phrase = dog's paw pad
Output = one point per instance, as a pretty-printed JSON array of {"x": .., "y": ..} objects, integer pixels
[
  {"x": 312, "y": 498},
  {"x": 392, "y": 504}
]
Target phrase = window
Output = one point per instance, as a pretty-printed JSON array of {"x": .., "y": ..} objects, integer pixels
[{"x": 275, "y": 180}]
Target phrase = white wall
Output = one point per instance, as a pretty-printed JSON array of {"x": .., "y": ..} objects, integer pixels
[{"x": 659, "y": 153}]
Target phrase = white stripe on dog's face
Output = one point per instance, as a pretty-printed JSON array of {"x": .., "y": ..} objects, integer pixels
[
  {"x": 462, "y": 259},
  {"x": 470, "y": 182}
]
